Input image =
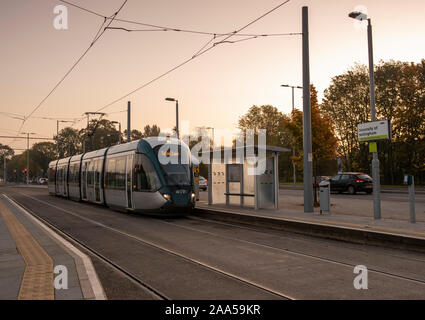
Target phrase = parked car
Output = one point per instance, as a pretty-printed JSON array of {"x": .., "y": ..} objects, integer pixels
[
  {"x": 319, "y": 179},
  {"x": 203, "y": 183},
  {"x": 42, "y": 181},
  {"x": 351, "y": 182}
]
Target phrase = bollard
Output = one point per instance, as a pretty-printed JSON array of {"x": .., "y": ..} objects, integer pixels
[
  {"x": 410, "y": 181},
  {"x": 412, "y": 200}
]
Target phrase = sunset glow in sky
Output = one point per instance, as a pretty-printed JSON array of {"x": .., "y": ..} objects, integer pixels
[{"x": 214, "y": 89}]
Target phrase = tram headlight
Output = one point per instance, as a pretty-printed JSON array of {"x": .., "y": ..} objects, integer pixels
[
  {"x": 193, "y": 195},
  {"x": 166, "y": 196}
]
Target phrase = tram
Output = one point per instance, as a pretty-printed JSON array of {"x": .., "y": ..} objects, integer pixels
[{"x": 150, "y": 175}]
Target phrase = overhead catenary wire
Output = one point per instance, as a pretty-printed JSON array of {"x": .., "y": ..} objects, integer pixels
[
  {"x": 161, "y": 28},
  {"x": 95, "y": 39},
  {"x": 197, "y": 54}
]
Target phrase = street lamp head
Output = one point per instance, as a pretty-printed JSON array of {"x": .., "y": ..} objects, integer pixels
[
  {"x": 358, "y": 15},
  {"x": 288, "y": 86},
  {"x": 170, "y": 99}
]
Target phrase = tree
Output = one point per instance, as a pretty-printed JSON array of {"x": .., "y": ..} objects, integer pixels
[
  {"x": 99, "y": 134},
  {"x": 151, "y": 131},
  {"x": 346, "y": 103},
  {"x": 69, "y": 142},
  {"x": 5, "y": 150},
  {"x": 147, "y": 132},
  {"x": 134, "y": 135},
  {"x": 400, "y": 98},
  {"x": 324, "y": 141},
  {"x": 40, "y": 156},
  {"x": 269, "y": 118}
]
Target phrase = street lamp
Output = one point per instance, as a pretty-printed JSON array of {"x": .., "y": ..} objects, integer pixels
[
  {"x": 177, "y": 114},
  {"x": 119, "y": 129},
  {"x": 28, "y": 154},
  {"x": 293, "y": 108},
  {"x": 375, "y": 161}
]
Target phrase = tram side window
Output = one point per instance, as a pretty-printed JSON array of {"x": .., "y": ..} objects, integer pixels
[
  {"x": 120, "y": 173},
  {"x": 51, "y": 175},
  {"x": 145, "y": 176},
  {"x": 90, "y": 168},
  {"x": 76, "y": 173},
  {"x": 74, "y": 169},
  {"x": 115, "y": 173},
  {"x": 110, "y": 173},
  {"x": 59, "y": 175},
  {"x": 98, "y": 170},
  {"x": 71, "y": 175}
]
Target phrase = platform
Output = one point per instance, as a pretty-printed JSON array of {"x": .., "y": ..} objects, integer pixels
[
  {"x": 29, "y": 254},
  {"x": 357, "y": 229}
]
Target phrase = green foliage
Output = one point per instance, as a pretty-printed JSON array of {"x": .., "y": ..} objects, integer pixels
[
  {"x": 287, "y": 131},
  {"x": 269, "y": 118},
  {"x": 324, "y": 141},
  {"x": 400, "y": 97},
  {"x": 69, "y": 142}
]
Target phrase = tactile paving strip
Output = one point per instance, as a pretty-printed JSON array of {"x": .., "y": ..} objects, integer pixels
[{"x": 37, "y": 282}]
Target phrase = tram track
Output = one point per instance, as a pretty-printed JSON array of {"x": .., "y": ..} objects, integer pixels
[
  {"x": 115, "y": 265},
  {"x": 131, "y": 228},
  {"x": 291, "y": 251}
]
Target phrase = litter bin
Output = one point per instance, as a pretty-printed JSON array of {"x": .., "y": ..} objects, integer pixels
[{"x": 325, "y": 196}]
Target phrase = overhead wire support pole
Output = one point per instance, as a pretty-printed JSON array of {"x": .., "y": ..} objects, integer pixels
[
  {"x": 28, "y": 158},
  {"x": 307, "y": 143},
  {"x": 4, "y": 168},
  {"x": 177, "y": 119},
  {"x": 128, "y": 121},
  {"x": 293, "y": 148}
]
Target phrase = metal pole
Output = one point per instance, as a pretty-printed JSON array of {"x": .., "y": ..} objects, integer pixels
[
  {"x": 308, "y": 155},
  {"x": 276, "y": 179},
  {"x": 375, "y": 160},
  {"x": 57, "y": 138},
  {"x": 119, "y": 129},
  {"x": 28, "y": 158},
  {"x": 177, "y": 119},
  {"x": 128, "y": 121},
  {"x": 293, "y": 147},
  {"x": 412, "y": 201},
  {"x": 211, "y": 148},
  {"x": 5, "y": 170},
  {"x": 87, "y": 130}
]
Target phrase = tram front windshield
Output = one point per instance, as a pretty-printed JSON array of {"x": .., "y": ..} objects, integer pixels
[{"x": 175, "y": 162}]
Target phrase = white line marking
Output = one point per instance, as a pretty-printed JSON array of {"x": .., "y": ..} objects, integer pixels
[{"x": 96, "y": 286}]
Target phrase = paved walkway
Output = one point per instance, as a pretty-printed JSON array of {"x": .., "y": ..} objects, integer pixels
[
  {"x": 390, "y": 226},
  {"x": 28, "y": 258}
]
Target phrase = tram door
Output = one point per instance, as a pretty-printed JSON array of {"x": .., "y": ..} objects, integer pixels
[
  {"x": 97, "y": 165},
  {"x": 129, "y": 181},
  {"x": 84, "y": 180}
]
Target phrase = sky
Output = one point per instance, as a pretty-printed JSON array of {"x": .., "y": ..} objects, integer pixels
[{"x": 215, "y": 89}]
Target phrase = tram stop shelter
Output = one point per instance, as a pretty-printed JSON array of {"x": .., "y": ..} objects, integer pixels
[{"x": 246, "y": 176}]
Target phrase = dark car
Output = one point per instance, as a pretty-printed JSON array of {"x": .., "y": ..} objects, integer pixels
[
  {"x": 351, "y": 182},
  {"x": 317, "y": 180}
]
